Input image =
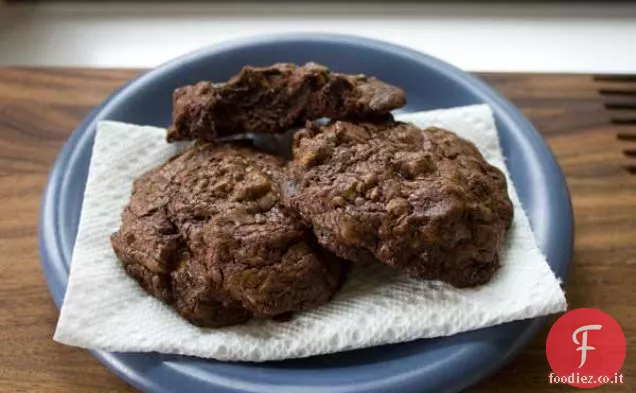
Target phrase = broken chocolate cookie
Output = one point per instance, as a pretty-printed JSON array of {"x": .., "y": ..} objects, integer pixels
[{"x": 273, "y": 99}]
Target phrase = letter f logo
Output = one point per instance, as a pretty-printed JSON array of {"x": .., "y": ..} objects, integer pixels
[{"x": 584, "y": 347}]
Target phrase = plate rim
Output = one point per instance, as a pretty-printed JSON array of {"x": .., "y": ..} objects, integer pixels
[{"x": 52, "y": 257}]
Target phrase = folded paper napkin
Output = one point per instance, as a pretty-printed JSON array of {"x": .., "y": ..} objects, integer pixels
[{"x": 105, "y": 309}]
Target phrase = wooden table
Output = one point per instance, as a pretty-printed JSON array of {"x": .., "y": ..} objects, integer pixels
[{"x": 39, "y": 108}]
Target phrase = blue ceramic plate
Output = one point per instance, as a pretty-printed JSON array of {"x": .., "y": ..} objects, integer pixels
[{"x": 435, "y": 365}]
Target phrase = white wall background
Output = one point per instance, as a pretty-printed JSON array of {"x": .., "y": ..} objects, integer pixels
[{"x": 585, "y": 37}]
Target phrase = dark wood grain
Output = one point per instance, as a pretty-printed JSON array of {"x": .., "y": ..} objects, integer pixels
[{"x": 40, "y": 107}]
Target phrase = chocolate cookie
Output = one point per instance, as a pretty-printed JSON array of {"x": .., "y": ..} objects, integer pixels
[
  {"x": 422, "y": 201},
  {"x": 207, "y": 233},
  {"x": 273, "y": 99}
]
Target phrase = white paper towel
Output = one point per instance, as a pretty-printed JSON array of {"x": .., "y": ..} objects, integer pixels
[{"x": 105, "y": 309}]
